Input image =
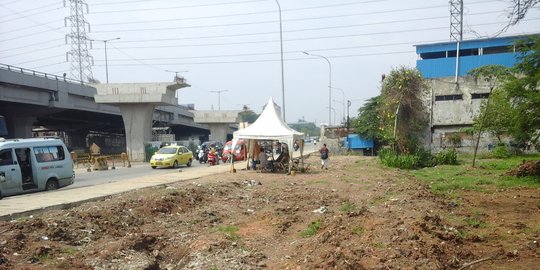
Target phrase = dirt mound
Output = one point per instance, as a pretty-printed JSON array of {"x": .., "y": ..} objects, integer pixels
[
  {"x": 527, "y": 168},
  {"x": 357, "y": 215}
]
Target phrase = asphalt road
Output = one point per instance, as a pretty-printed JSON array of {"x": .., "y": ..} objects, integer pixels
[{"x": 85, "y": 179}]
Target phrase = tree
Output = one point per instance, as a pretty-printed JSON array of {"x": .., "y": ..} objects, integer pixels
[
  {"x": 307, "y": 128},
  {"x": 247, "y": 115},
  {"x": 403, "y": 113},
  {"x": 490, "y": 119},
  {"x": 368, "y": 123},
  {"x": 524, "y": 91},
  {"x": 517, "y": 11},
  {"x": 515, "y": 108},
  {"x": 499, "y": 117}
]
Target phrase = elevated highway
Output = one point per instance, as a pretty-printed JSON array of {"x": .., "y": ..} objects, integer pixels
[{"x": 31, "y": 99}]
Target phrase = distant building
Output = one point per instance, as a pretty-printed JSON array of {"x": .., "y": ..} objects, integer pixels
[{"x": 453, "y": 105}]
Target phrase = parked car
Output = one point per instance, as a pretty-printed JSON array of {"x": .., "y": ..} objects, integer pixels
[
  {"x": 29, "y": 165},
  {"x": 171, "y": 156},
  {"x": 240, "y": 151}
]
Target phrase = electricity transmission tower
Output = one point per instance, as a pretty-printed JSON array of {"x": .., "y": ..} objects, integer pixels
[
  {"x": 456, "y": 20},
  {"x": 81, "y": 60},
  {"x": 456, "y": 29}
]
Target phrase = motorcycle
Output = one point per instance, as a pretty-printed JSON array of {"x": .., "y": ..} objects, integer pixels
[
  {"x": 213, "y": 158},
  {"x": 203, "y": 155}
]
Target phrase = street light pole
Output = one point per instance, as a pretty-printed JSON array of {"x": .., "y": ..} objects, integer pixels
[
  {"x": 219, "y": 97},
  {"x": 343, "y": 101},
  {"x": 348, "y": 127},
  {"x": 106, "y": 60},
  {"x": 332, "y": 109},
  {"x": 329, "y": 86},
  {"x": 342, "y": 111},
  {"x": 282, "y": 69}
]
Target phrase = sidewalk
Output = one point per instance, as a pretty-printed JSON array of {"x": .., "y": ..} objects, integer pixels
[{"x": 24, "y": 205}]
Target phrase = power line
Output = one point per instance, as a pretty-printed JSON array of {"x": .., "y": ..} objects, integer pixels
[
  {"x": 342, "y": 15},
  {"x": 32, "y": 26},
  {"x": 26, "y": 10},
  {"x": 265, "y": 22},
  {"x": 267, "y": 60},
  {"x": 27, "y": 15},
  {"x": 177, "y": 7},
  {"x": 39, "y": 59},
  {"x": 48, "y": 65},
  {"x": 182, "y": 7},
  {"x": 299, "y": 39},
  {"x": 305, "y": 29},
  {"x": 34, "y": 51},
  {"x": 273, "y": 53},
  {"x": 296, "y": 30},
  {"x": 29, "y": 45},
  {"x": 32, "y": 34},
  {"x": 266, "y": 12}
]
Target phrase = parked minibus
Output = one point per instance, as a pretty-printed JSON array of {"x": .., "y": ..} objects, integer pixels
[{"x": 29, "y": 165}]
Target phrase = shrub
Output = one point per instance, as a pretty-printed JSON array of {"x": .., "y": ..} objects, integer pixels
[
  {"x": 391, "y": 159},
  {"x": 426, "y": 158},
  {"x": 448, "y": 157},
  {"x": 500, "y": 151}
]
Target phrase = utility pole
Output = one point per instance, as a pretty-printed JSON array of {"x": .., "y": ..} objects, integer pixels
[
  {"x": 219, "y": 97},
  {"x": 282, "y": 69},
  {"x": 81, "y": 60},
  {"x": 106, "y": 60},
  {"x": 348, "y": 126}
]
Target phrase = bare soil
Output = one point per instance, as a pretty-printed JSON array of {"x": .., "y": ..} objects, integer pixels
[{"x": 361, "y": 215}]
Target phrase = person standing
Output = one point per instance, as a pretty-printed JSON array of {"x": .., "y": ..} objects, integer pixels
[{"x": 324, "y": 156}]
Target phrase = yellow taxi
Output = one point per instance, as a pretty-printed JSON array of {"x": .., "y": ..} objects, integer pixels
[{"x": 171, "y": 156}]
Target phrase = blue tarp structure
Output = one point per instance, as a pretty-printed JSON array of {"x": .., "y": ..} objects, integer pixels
[{"x": 357, "y": 142}]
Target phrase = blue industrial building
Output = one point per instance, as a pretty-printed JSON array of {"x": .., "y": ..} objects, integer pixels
[
  {"x": 456, "y": 100},
  {"x": 439, "y": 59}
]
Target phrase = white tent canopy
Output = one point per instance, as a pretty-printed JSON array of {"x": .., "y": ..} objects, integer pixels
[{"x": 270, "y": 126}]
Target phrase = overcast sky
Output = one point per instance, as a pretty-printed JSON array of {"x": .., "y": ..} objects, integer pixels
[{"x": 234, "y": 45}]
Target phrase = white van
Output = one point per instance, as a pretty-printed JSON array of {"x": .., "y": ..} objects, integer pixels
[{"x": 29, "y": 165}]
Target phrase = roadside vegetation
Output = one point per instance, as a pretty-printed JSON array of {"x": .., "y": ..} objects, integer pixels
[
  {"x": 490, "y": 175},
  {"x": 397, "y": 119}
]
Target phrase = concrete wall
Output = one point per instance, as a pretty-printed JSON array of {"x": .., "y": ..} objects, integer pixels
[{"x": 448, "y": 117}]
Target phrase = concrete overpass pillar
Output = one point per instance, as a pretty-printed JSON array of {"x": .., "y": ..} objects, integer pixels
[
  {"x": 218, "y": 122},
  {"x": 137, "y": 102},
  {"x": 22, "y": 126},
  {"x": 218, "y": 131},
  {"x": 138, "y": 124}
]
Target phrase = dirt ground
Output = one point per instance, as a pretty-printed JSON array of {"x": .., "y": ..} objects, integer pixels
[{"x": 356, "y": 215}]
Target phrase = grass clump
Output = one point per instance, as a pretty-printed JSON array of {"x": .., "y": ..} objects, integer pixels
[
  {"x": 358, "y": 230},
  {"x": 475, "y": 220},
  {"x": 229, "y": 231},
  {"x": 312, "y": 229},
  {"x": 347, "y": 207}
]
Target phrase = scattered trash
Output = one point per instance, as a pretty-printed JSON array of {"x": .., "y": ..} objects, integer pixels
[
  {"x": 251, "y": 183},
  {"x": 452, "y": 204},
  {"x": 323, "y": 209},
  {"x": 44, "y": 238},
  {"x": 250, "y": 210}
]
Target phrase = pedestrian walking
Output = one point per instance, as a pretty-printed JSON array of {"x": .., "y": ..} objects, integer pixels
[{"x": 324, "y": 156}]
